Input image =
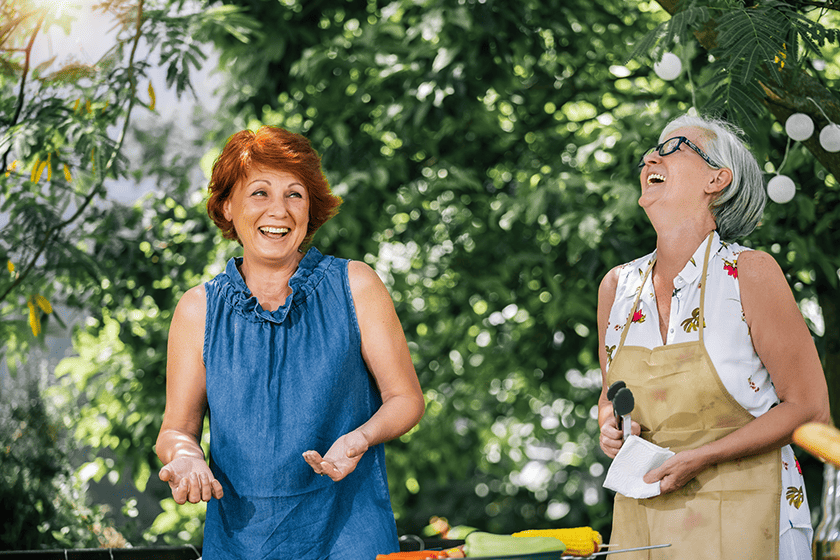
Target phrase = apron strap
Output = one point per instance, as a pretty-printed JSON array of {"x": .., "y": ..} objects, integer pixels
[
  {"x": 642, "y": 287},
  {"x": 635, "y": 306},
  {"x": 702, "y": 325}
]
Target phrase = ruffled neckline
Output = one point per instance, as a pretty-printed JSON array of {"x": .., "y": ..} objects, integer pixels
[{"x": 310, "y": 272}]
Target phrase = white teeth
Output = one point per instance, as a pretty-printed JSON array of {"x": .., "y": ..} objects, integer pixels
[
  {"x": 655, "y": 178},
  {"x": 279, "y": 230}
]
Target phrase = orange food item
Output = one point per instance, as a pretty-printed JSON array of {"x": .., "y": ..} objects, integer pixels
[
  {"x": 414, "y": 555},
  {"x": 820, "y": 440}
]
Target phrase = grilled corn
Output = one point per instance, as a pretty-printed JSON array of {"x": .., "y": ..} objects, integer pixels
[{"x": 580, "y": 541}]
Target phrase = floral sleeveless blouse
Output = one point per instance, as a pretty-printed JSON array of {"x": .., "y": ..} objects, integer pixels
[{"x": 727, "y": 340}]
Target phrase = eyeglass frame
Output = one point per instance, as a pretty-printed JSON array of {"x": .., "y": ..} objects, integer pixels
[{"x": 681, "y": 140}]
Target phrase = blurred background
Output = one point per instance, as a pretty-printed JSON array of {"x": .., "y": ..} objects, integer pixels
[{"x": 486, "y": 152}]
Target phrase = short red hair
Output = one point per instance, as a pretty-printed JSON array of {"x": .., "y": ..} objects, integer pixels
[{"x": 277, "y": 149}]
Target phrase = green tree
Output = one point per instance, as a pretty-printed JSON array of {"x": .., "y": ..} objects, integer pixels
[
  {"x": 45, "y": 505},
  {"x": 63, "y": 127}
]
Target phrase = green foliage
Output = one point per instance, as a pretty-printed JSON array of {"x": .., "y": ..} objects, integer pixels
[
  {"x": 45, "y": 504},
  {"x": 748, "y": 44},
  {"x": 654, "y": 43},
  {"x": 62, "y": 136}
]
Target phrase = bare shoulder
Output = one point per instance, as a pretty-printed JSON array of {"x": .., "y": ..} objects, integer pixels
[
  {"x": 757, "y": 269},
  {"x": 609, "y": 284},
  {"x": 186, "y": 336},
  {"x": 363, "y": 279},
  {"x": 192, "y": 306},
  {"x": 765, "y": 293}
]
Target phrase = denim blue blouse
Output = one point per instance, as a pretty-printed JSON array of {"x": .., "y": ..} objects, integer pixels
[{"x": 279, "y": 383}]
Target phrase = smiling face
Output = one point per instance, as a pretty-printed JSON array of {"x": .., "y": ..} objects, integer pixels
[
  {"x": 269, "y": 210},
  {"x": 681, "y": 182}
]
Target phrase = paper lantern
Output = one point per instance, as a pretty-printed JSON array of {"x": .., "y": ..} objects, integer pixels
[
  {"x": 669, "y": 67},
  {"x": 799, "y": 127},
  {"x": 781, "y": 189},
  {"x": 830, "y": 138}
]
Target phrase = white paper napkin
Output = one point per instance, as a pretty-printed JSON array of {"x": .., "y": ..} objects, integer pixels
[{"x": 635, "y": 459}]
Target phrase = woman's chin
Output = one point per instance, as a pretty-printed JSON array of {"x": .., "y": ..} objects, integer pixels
[{"x": 647, "y": 199}]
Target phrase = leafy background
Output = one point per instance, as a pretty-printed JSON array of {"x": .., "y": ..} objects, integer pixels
[{"x": 486, "y": 152}]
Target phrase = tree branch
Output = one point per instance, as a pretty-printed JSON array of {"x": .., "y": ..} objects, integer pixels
[
  {"x": 48, "y": 235},
  {"x": 21, "y": 92},
  {"x": 794, "y": 96}
]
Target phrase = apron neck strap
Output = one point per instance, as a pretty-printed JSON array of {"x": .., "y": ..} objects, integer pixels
[
  {"x": 642, "y": 286},
  {"x": 635, "y": 305},
  {"x": 701, "y": 325}
]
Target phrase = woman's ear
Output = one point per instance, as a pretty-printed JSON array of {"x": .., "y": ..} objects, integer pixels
[
  {"x": 226, "y": 210},
  {"x": 720, "y": 179}
]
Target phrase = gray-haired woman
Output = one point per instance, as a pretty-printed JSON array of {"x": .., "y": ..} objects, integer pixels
[{"x": 708, "y": 337}]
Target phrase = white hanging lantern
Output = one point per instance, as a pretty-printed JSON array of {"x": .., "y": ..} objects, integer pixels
[
  {"x": 830, "y": 138},
  {"x": 799, "y": 127},
  {"x": 781, "y": 189},
  {"x": 669, "y": 67}
]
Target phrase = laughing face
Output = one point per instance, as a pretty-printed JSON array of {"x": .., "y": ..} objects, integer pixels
[
  {"x": 682, "y": 179},
  {"x": 270, "y": 212}
]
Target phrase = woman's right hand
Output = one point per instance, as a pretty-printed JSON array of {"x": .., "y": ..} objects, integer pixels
[
  {"x": 191, "y": 480},
  {"x": 612, "y": 438}
]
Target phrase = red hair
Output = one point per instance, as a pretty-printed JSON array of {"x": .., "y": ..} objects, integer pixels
[{"x": 273, "y": 148}]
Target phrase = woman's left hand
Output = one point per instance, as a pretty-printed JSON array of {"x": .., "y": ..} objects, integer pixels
[
  {"x": 677, "y": 471},
  {"x": 342, "y": 457}
]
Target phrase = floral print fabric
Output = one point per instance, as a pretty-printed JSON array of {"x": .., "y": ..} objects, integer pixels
[{"x": 726, "y": 336}]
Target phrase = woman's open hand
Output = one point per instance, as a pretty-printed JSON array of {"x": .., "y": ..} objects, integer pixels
[
  {"x": 342, "y": 457},
  {"x": 191, "y": 480}
]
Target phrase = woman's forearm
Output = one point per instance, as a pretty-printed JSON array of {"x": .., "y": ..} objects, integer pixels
[
  {"x": 394, "y": 418},
  {"x": 769, "y": 431}
]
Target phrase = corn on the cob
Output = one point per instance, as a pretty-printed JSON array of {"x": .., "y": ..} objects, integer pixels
[{"x": 580, "y": 541}]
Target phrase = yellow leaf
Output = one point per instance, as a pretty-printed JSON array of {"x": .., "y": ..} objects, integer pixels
[
  {"x": 43, "y": 303},
  {"x": 34, "y": 320},
  {"x": 76, "y": 105},
  {"x": 11, "y": 266},
  {"x": 151, "y": 97},
  {"x": 87, "y": 106},
  {"x": 39, "y": 171},
  {"x": 67, "y": 176},
  {"x": 49, "y": 167},
  {"x": 34, "y": 169},
  {"x": 13, "y": 165}
]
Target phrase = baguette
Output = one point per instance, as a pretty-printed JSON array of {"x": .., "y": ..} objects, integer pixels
[{"x": 820, "y": 440}]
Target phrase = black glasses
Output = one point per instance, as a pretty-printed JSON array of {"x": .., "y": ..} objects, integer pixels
[{"x": 671, "y": 145}]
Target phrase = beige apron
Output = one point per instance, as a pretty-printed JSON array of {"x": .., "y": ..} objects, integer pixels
[{"x": 730, "y": 510}]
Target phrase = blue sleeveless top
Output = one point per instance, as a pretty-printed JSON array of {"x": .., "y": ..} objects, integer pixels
[{"x": 279, "y": 383}]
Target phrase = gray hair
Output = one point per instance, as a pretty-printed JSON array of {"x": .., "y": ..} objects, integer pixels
[{"x": 738, "y": 208}]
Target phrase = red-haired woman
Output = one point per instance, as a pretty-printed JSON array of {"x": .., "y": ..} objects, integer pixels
[{"x": 302, "y": 365}]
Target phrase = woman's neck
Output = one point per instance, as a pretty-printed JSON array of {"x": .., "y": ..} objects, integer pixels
[
  {"x": 269, "y": 282},
  {"x": 675, "y": 246}
]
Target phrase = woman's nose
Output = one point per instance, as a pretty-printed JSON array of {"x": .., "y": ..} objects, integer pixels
[
  {"x": 278, "y": 207},
  {"x": 652, "y": 157}
]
